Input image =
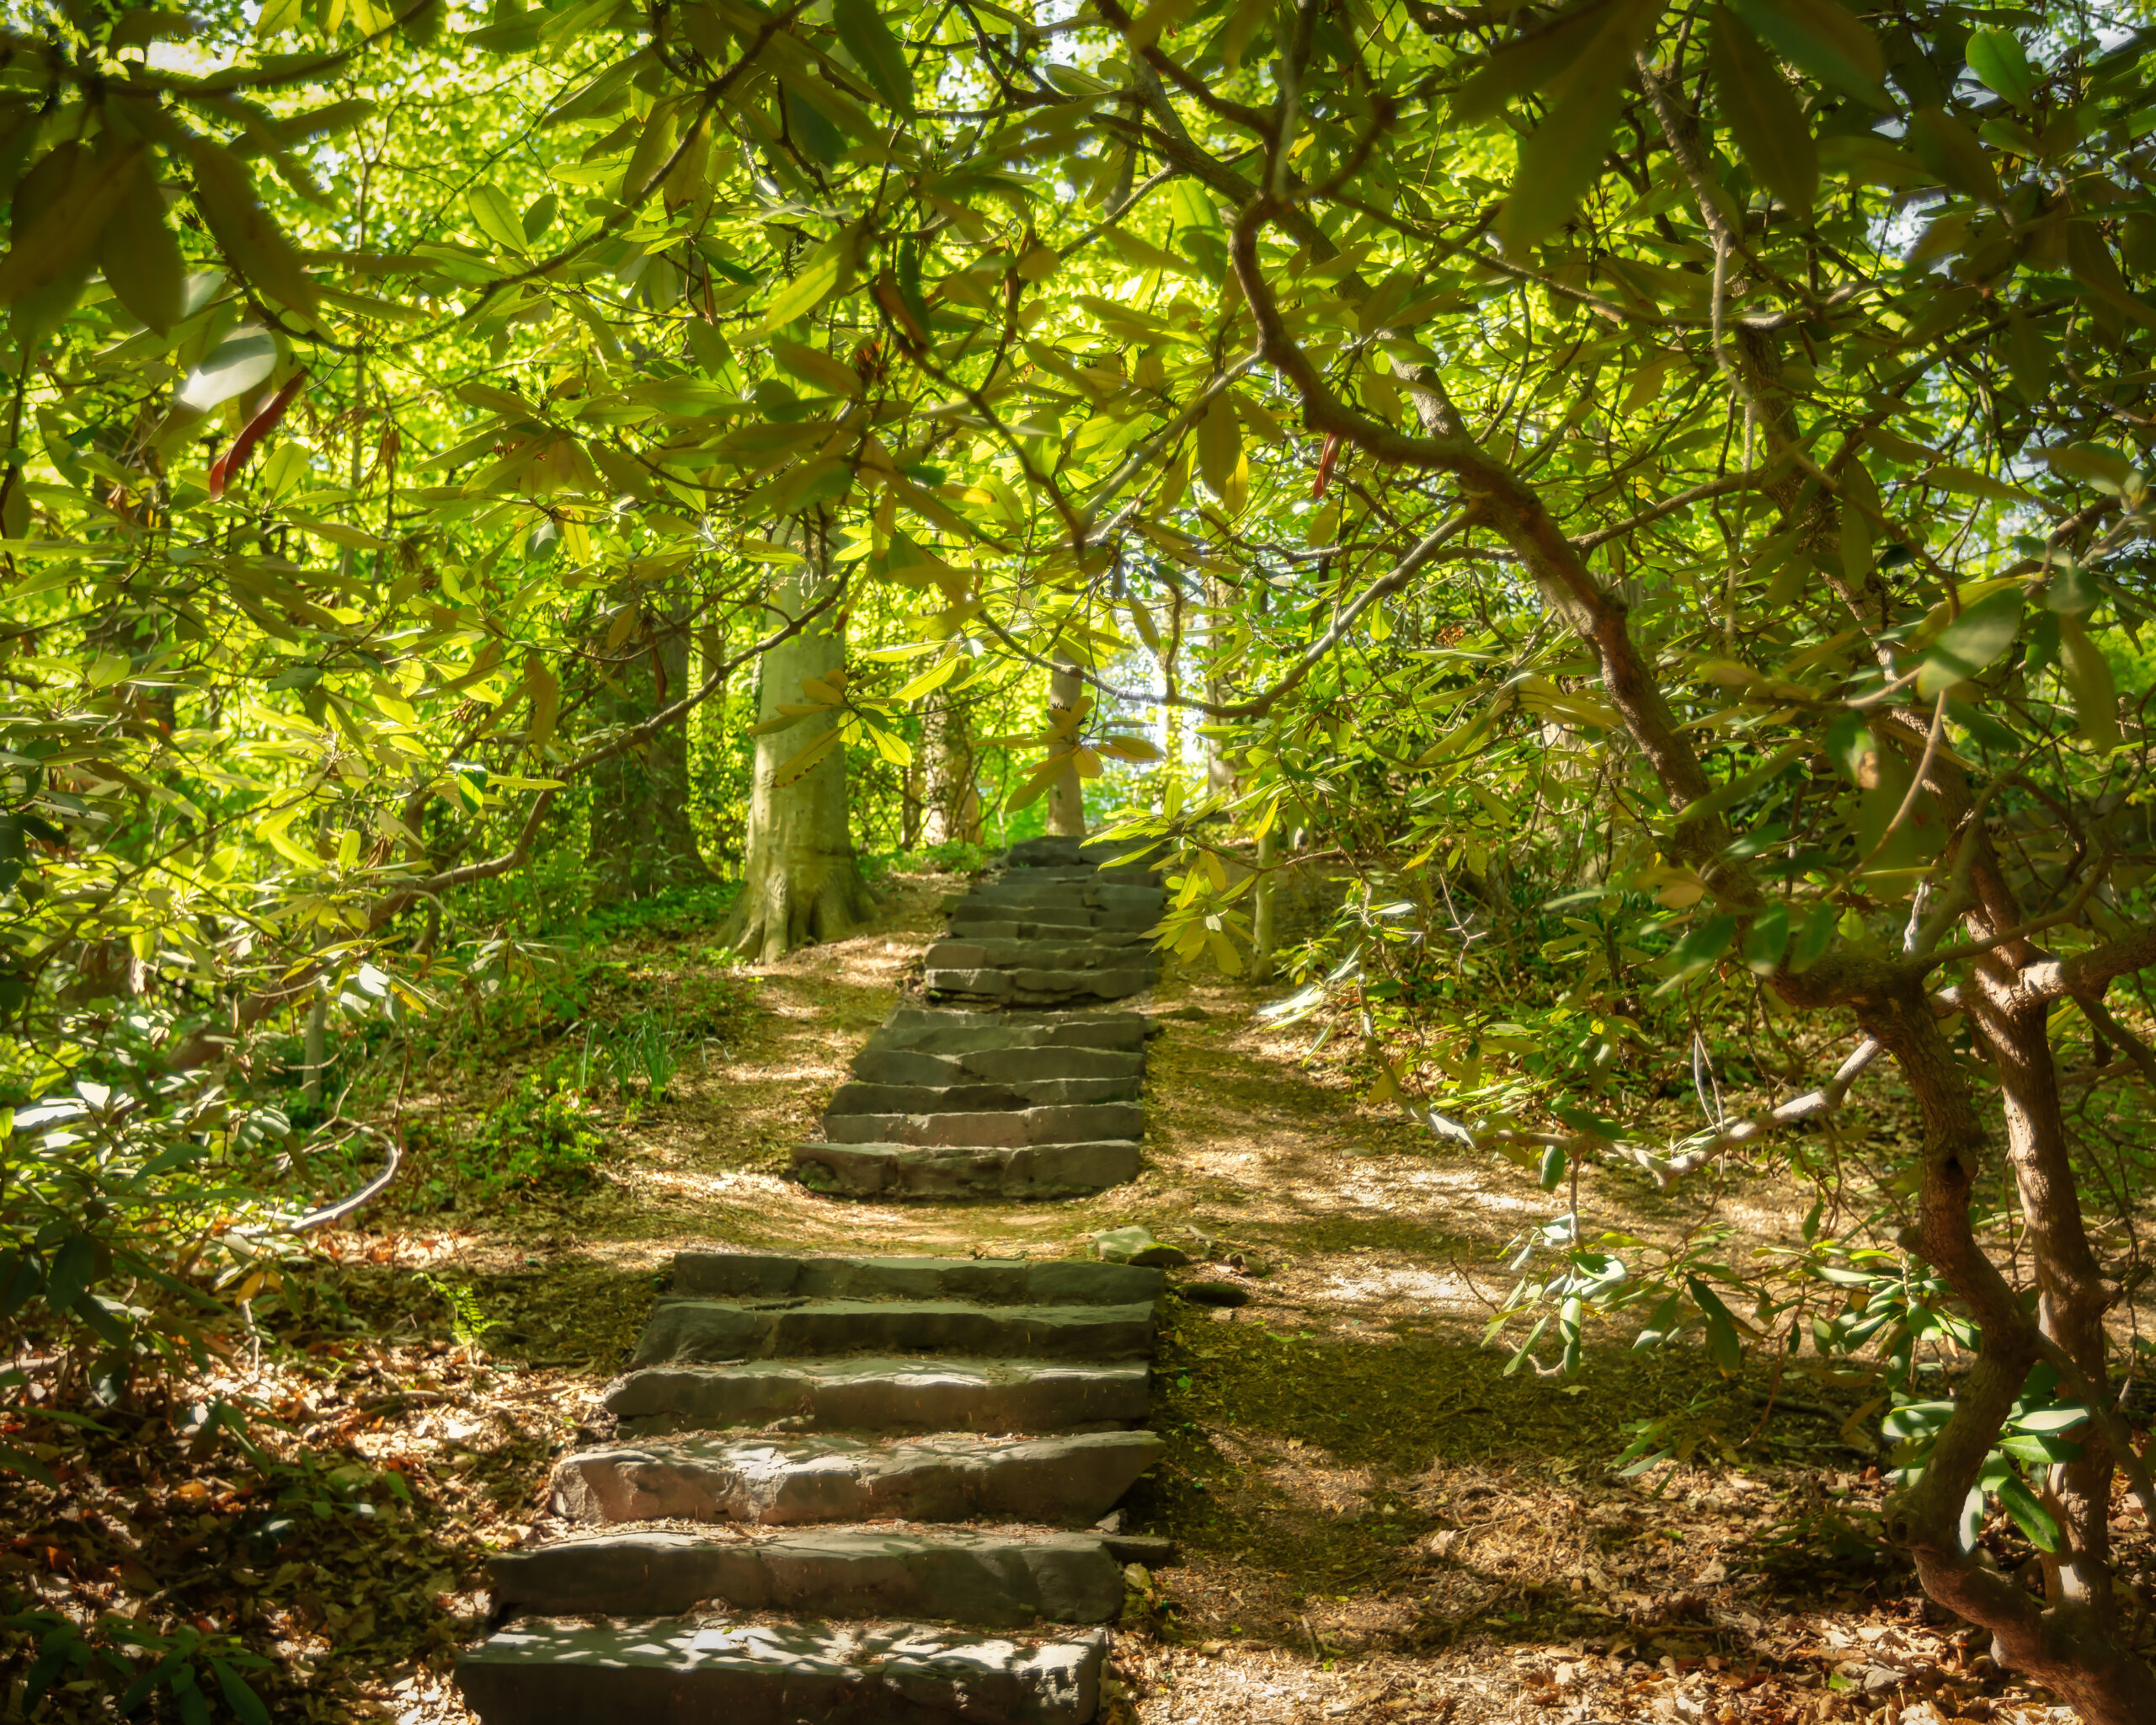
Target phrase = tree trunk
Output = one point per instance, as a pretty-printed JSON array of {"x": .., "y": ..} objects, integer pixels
[
  {"x": 953, "y": 811},
  {"x": 1066, "y": 797},
  {"x": 1260, "y": 913},
  {"x": 641, "y": 842},
  {"x": 800, "y": 881}
]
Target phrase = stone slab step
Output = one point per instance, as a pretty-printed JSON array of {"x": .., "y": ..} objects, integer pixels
[
  {"x": 1004, "y": 1128},
  {"x": 687, "y": 1673},
  {"x": 994, "y": 1065},
  {"x": 1030, "y": 888},
  {"x": 985, "y": 1281},
  {"x": 984, "y": 954},
  {"x": 1028, "y": 987},
  {"x": 1035, "y": 1171},
  {"x": 1000, "y": 1581},
  {"x": 689, "y": 1330},
  {"x": 1074, "y": 1478},
  {"x": 862, "y": 1098},
  {"x": 997, "y": 925},
  {"x": 873, "y": 1395},
  {"x": 1065, "y": 847},
  {"x": 954, "y": 1031}
]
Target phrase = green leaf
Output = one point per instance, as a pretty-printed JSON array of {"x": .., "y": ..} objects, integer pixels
[
  {"x": 2028, "y": 356},
  {"x": 1979, "y": 638},
  {"x": 2088, "y": 674},
  {"x": 495, "y": 217},
  {"x": 60, "y": 208},
  {"x": 2091, "y": 464},
  {"x": 1816, "y": 935},
  {"x": 2002, "y": 65},
  {"x": 1533, "y": 63},
  {"x": 242, "y": 362},
  {"x": 224, "y": 193},
  {"x": 1220, "y": 450},
  {"x": 1768, "y": 939},
  {"x": 1953, "y": 152},
  {"x": 1553, "y": 1164},
  {"x": 2090, "y": 259},
  {"x": 1763, "y": 113},
  {"x": 1587, "y": 1122},
  {"x": 139, "y": 255},
  {"x": 72, "y": 1266},
  {"x": 1703, "y": 945},
  {"x": 2030, "y": 1514},
  {"x": 2073, "y": 590},
  {"x": 1825, "y": 39},
  {"x": 828, "y": 269},
  {"x": 1559, "y": 159},
  {"x": 246, "y": 1705},
  {"x": 880, "y": 57}
]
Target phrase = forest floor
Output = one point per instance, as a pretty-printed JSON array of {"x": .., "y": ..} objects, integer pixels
[{"x": 1376, "y": 1522}]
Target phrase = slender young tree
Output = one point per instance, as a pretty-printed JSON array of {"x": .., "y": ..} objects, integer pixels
[{"x": 801, "y": 880}]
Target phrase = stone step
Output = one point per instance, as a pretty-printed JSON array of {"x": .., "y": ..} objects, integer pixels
[
  {"x": 1027, "y": 886},
  {"x": 1066, "y": 1123},
  {"x": 870, "y": 1395},
  {"x": 688, "y": 1330},
  {"x": 897, "y": 1171},
  {"x": 985, "y": 1281},
  {"x": 1066, "y": 848},
  {"x": 1149, "y": 900},
  {"x": 858, "y": 1098},
  {"x": 1076, "y": 1478},
  {"x": 1112, "y": 1033},
  {"x": 683, "y": 1673},
  {"x": 1003, "y": 1581},
  {"x": 1031, "y": 987},
  {"x": 1031, "y": 955},
  {"x": 861, "y": 1099},
  {"x": 1020, "y": 1066},
  {"x": 996, "y": 925}
]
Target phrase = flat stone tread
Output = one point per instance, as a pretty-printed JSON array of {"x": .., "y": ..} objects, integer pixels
[
  {"x": 1052, "y": 1122},
  {"x": 691, "y": 1328},
  {"x": 1108, "y": 1033},
  {"x": 995, "y": 1065},
  {"x": 862, "y": 1097},
  {"x": 778, "y": 1482},
  {"x": 969, "y": 1171},
  {"x": 966, "y": 953},
  {"x": 686, "y": 1673},
  {"x": 853, "y": 1393},
  {"x": 957, "y": 1576},
  {"x": 1067, "y": 1281}
]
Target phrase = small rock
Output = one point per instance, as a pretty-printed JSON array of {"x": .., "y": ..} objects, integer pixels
[
  {"x": 1136, "y": 1244},
  {"x": 1110, "y": 1523},
  {"x": 1189, "y": 1015},
  {"x": 1214, "y": 1293}
]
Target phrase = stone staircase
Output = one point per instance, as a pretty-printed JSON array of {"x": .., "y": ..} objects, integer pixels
[
  {"x": 949, "y": 1104},
  {"x": 1051, "y": 927},
  {"x": 876, "y": 1491},
  {"x": 843, "y": 1489}
]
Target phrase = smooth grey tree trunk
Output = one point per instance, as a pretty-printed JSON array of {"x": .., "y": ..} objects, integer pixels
[
  {"x": 1066, "y": 797},
  {"x": 801, "y": 880}
]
